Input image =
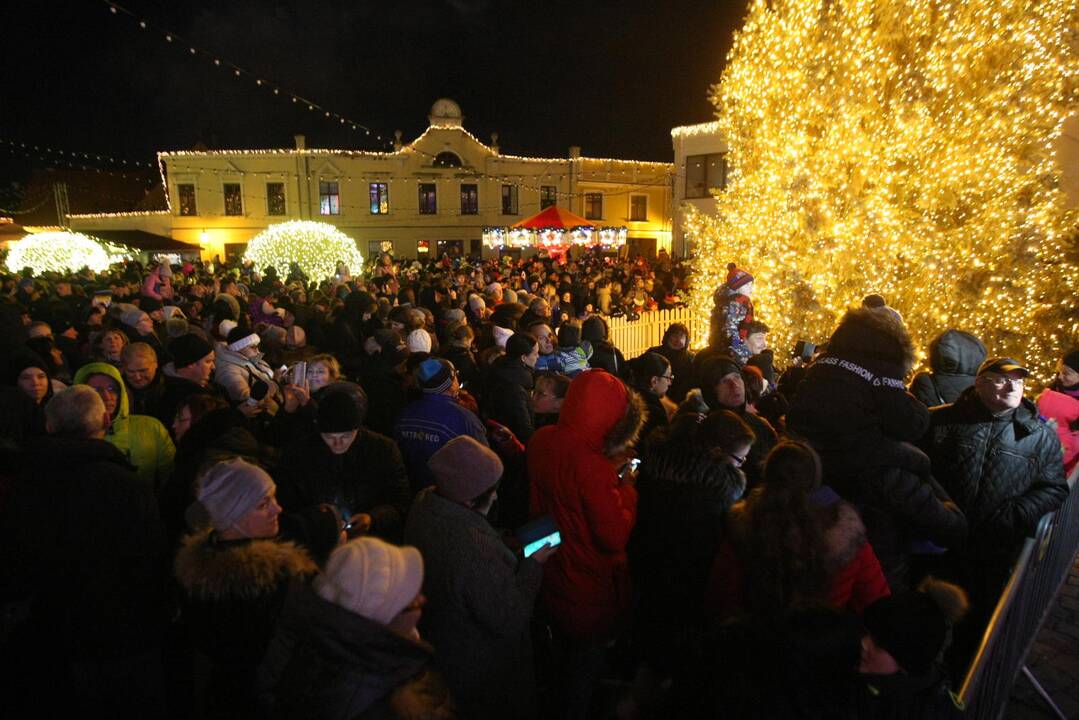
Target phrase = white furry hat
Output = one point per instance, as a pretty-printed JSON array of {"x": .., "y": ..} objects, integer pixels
[{"x": 371, "y": 578}]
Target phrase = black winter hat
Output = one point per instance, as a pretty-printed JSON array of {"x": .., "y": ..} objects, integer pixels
[
  {"x": 338, "y": 413},
  {"x": 914, "y": 626},
  {"x": 1072, "y": 360},
  {"x": 20, "y": 360},
  {"x": 188, "y": 349}
]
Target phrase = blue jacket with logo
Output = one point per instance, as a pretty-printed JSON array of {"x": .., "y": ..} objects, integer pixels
[{"x": 428, "y": 424}]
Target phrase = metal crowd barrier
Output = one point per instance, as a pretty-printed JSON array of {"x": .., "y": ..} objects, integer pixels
[{"x": 1025, "y": 603}]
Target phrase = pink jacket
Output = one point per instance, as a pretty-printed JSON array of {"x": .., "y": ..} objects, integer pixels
[{"x": 1065, "y": 410}]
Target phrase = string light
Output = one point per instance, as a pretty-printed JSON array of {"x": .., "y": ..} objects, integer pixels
[
  {"x": 63, "y": 252},
  {"x": 316, "y": 247},
  {"x": 903, "y": 147},
  {"x": 237, "y": 71}
]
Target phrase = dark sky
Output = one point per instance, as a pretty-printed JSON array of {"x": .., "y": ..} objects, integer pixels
[{"x": 613, "y": 77}]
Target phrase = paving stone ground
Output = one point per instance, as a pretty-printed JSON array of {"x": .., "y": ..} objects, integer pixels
[{"x": 1054, "y": 660}]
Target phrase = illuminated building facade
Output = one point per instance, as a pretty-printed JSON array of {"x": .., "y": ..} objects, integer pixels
[
  {"x": 700, "y": 164},
  {"x": 432, "y": 195}
]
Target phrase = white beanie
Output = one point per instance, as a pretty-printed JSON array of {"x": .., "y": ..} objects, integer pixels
[
  {"x": 501, "y": 335},
  {"x": 419, "y": 340},
  {"x": 226, "y": 327},
  {"x": 372, "y": 578},
  {"x": 231, "y": 489},
  {"x": 477, "y": 304}
]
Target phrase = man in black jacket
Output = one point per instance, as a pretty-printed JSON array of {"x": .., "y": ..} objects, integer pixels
[
  {"x": 1001, "y": 464},
  {"x": 82, "y": 550}
]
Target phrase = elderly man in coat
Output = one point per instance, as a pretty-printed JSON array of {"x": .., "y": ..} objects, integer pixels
[
  {"x": 480, "y": 593},
  {"x": 1000, "y": 462}
]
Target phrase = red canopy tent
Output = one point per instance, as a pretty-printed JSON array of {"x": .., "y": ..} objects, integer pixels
[
  {"x": 554, "y": 228},
  {"x": 553, "y": 217}
]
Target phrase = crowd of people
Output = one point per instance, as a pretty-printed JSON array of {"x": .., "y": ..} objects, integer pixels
[{"x": 226, "y": 493}]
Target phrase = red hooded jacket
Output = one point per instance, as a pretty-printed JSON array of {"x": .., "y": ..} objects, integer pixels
[{"x": 586, "y": 583}]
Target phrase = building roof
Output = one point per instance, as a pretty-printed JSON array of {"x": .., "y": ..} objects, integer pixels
[
  {"x": 89, "y": 191},
  {"x": 142, "y": 240}
]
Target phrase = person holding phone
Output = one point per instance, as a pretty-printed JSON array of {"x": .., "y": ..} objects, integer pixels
[{"x": 481, "y": 593}]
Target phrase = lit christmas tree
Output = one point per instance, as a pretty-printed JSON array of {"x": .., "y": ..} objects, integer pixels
[
  {"x": 907, "y": 148},
  {"x": 316, "y": 247}
]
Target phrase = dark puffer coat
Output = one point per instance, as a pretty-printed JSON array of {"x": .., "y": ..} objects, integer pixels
[
  {"x": 369, "y": 478},
  {"x": 328, "y": 663},
  {"x": 508, "y": 394},
  {"x": 683, "y": 493},
  {"x": 901, "y": 507},
  {"x": 1004, "y": 472},
  {"x": 954, "y": 358},
  {"x": 852, "y": 405}
]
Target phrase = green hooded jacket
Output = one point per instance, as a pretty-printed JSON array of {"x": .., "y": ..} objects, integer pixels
[{"x": 141, "y": 438}]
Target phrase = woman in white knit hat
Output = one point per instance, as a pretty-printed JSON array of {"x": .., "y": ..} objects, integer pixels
[
  {"x": 235, "y": 576},
  {"x": 348, "y": 646}
]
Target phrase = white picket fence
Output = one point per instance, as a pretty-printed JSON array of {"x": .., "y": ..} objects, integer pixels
[{"x": 634, "y": 337}]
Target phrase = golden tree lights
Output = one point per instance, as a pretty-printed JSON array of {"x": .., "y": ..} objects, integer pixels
[
  {"x": 316, "y": 247},
  {"x": 903, "y": 147}
]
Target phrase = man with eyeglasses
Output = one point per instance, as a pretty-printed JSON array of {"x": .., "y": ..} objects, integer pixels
[{"x": 1002, "y": 465}]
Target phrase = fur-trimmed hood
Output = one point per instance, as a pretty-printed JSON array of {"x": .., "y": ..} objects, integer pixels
[
  {"x": 212, "y": 569},
  {"x": 873, "y": 334},
  {"x": 844, "y": 534},
  {"x": 600, "y": 410}
]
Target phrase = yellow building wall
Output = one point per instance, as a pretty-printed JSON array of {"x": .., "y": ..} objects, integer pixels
[{"x": 301, "y": 170}]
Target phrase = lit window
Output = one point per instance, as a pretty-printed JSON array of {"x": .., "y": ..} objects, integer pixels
[
  {"x": 428, "y": 199},
  {"x": 548, "y": 196},
  {"x": 423, "y": 247},
  {"x": 638, "y": 208},
  {"x": 470, "y": 199},
  {"x": 186, "y": 195},
  {"x": 704, "y": 174},
  {"x": 275, "y": 198},
  {"x": 380, "y": 199},
  {"x": 329, "y": 197},
  {"x": 593, "y": 206},
  {"x": 234, "y": 199},
  {"x": 509, "y": 199}
]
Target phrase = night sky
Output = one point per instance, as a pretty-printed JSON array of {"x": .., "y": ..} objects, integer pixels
[{"x": 613, "y": 77}]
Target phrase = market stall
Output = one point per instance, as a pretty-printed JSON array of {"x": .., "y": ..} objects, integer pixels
[{"x": 556, "y": 230}]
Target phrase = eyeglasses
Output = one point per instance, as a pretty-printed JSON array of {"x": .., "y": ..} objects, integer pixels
[
  {"x": 1003, "y": 381},
  {"x": 666, "y": 377},
  {"x": 739, "y": 460}
]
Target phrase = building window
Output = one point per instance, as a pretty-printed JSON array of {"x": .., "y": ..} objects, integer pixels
[
  {"x": 275, "y": 198},
  {"x": 380, "y": 198},
  {"x": 428, "y": 199},
  {"x": 638, "y": 208},
  {"x": 509, "y": 199},
  {"x": 186, "y": 194},
  {"x": 548, "y": 196},
  {"x": 234, "y": 199},
  {"x": 329, "y": 197},
  {"x": 447, "y": 159},
  {"x": 470, "y": 199},
  {"x": 705, "y": 173},
  {"x": 423, "y": 247},
  {"x": 593, "y": 206}
]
